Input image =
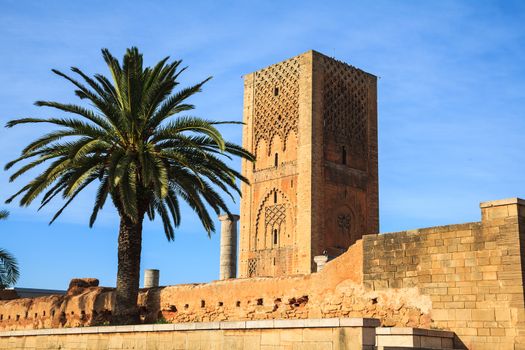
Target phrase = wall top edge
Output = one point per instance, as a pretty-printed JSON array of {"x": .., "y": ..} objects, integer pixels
[
  {"x": 262, "y": 324},
  {"x": 500, "y": 202}
]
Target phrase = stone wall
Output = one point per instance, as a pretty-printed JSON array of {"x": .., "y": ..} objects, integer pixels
[
  {"x": 466, "y": 278},
  {"x": 337, "y": 291},
  {"x": 472, "y": 273},
  {"x": 329, "y": 334}
]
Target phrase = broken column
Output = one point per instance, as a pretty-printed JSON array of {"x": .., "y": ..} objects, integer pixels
[
  {"x": 321, "y": 261},
  {"x": 228, "y": 262},
  {"x": 151, "y": 278}
]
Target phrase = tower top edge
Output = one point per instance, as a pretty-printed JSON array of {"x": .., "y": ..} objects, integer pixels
[{"x": 313, "y": 53}]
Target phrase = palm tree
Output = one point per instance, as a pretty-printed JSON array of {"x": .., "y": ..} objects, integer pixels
[
  {"x": 8, "y": 266},
  {"x": 144, "y": 156}
]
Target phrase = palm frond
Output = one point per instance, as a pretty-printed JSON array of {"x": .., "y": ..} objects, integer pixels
[
  {"x": 9, "y": 272},
  {"x": 132, "y": 141}
]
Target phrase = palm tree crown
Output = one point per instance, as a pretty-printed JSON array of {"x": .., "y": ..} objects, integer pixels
[
  {"x": 144, "y": 161},
  {"x": 133, "y": 142}
]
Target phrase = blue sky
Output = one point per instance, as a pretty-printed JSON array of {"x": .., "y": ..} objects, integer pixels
[{"x": 451, "y": 106}]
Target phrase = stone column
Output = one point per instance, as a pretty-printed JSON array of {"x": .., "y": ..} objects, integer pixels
[
  {"x": 151, "y": 278},
  {"x": 228, "y": 246},
  {"x": 320, "y": 260}
]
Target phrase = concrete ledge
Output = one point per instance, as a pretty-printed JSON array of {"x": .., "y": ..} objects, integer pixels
[
  {"x": 194, "y": 326},
  {"x": 289, "y": 323},
  {"x": 414, "y": 331},
  {"x": 233, "y": 325}
]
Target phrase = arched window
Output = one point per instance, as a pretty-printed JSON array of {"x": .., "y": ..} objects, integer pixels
[{"x": 275, "y": 197}]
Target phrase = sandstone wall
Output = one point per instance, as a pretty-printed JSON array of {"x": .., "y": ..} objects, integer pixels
[
  {"x": 335, "y": 292},
  {"x": 465, "y": 278},
  {"x": 335, "y": 334},
  {"x": 472, "y": 273}
]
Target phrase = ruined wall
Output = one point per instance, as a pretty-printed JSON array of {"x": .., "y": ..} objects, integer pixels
[
  {"x": 337, "y": 291},
  {"x": 466, "y": 278},
  {"x": 472, "y": 273}
]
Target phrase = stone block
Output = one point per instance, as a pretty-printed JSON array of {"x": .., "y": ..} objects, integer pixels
[
  {"x": 233, "y": 325},
  {"x": 291, "y": 335},
  {"x": 270, "y": 337},
  {"x": 261, "y": 324},
  {"x": 290, "y": 323},
  {"x": 483, "y": 315},
  {"x": 317, "y": 334},
  {"x": 322, "y": 322}
]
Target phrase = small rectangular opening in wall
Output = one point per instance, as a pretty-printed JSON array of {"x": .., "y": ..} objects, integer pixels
[
  {"x": 26, "y": 315},
  {"x": 43, "y": 313},
  {"x": 276, "y": 91},
  {"x": 36, "y": 314},
  {"x": 18, "y": 317},
  {"x": 220, "y": 303},
  {"x": 1, "y": 317},
  {"x": 238, "y": 304},
  {"x": 260, "y": 301},
  {"x": 203, "y": 303}
]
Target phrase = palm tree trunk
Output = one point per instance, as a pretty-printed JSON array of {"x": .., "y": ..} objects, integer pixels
[{"x": 128, "y": 274}]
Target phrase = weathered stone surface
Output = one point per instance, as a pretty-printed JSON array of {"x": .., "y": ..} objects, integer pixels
[
  {"x": 194, "y": 336},
  {"x": 77, "y": 285},
  {"x": 335, "y": 292},
  {"x": 311, "y": 121}
]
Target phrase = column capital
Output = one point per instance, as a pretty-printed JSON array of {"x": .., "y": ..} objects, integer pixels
[{"x": 226, "y": 217}]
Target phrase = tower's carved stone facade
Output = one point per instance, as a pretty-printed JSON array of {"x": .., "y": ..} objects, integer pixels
[{"x": 312, "y": 123}]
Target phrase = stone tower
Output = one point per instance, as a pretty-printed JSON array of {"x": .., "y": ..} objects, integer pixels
[{"x": 311, "y": 121}]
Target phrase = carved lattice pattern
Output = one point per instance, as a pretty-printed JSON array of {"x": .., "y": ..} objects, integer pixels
[
  {"x": 252, "y": 267},
  {"x": 345, "y": 96},
  {"x": 275, "y": 215},
  {"x": 276, "y": 101}
]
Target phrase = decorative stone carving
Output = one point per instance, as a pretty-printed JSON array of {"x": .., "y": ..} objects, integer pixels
[
  {"x": 276, "y": 103},
  {"x": 345, "y": 101},
  {"x": 271, "y": 216},
  {"x": 275, "y": 215},
  {"x": 252, "y": 267}
]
